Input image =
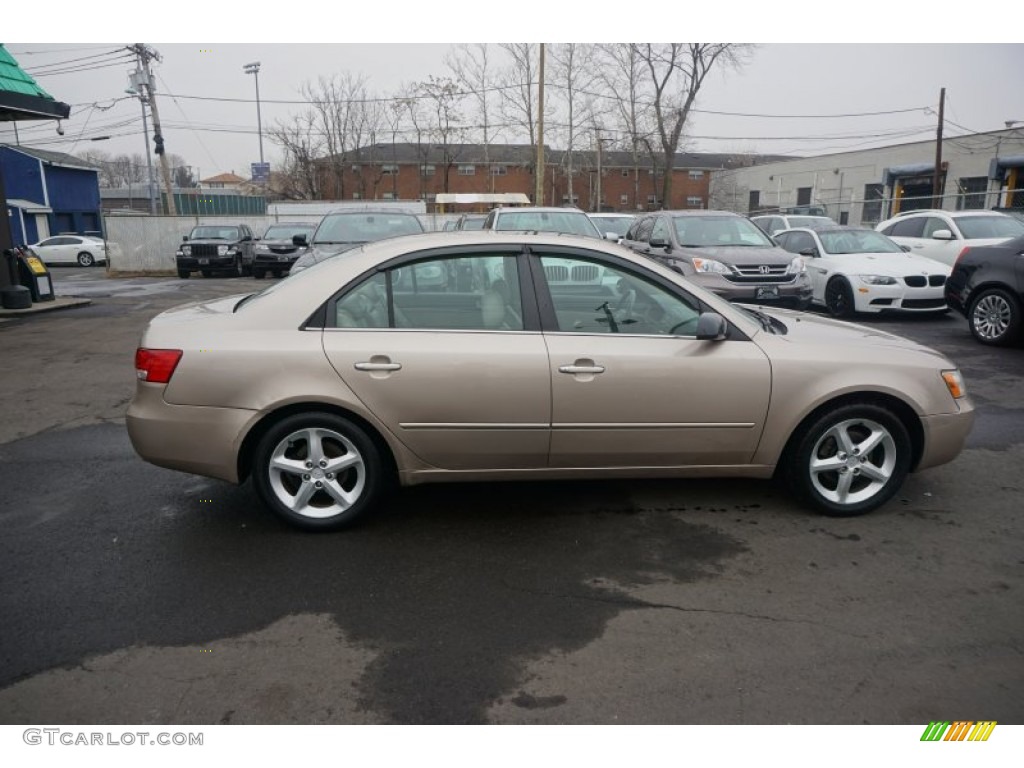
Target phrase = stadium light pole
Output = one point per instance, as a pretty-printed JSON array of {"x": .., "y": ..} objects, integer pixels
[{"x": 253, "y": 68}]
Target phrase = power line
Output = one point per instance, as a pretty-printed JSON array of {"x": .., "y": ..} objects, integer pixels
[
  {"x": 57, "y": 64},
  {"x": 74, "y": 70},
  {"x": 61, "y": 50}
]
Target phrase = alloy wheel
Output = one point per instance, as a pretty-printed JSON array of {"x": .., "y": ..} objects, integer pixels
[
  {"x": 852, "y": 461},
  {"x": 317, "y": 473}
]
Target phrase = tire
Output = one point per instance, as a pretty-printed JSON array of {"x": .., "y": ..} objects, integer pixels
[
  {"x": 206, "y": 272},
  {"x": 995, "y": 317},
  {"x": 259, "y": 274},
  {"x": 85, "y": 259},
  {"x": 839, "y": 298},
  {"x": 832, "y": 470},
  {"x": 236, "y": 269},
  {"x": 285, "y": 470},
  {"x": 277, "y": 273},
  {"x": 184, "y": 274}
]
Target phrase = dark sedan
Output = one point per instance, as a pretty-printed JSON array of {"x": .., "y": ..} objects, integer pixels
[
  {"x": 277, "y": 251},
  {"x": 987, "y": 287}
]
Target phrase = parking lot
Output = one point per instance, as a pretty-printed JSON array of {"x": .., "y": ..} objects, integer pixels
[{"x": 137, "y": 594}]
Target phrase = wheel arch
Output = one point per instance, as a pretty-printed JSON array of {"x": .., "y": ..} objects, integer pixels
[
  {"x": 900, "y": 408},
  {"x": 261, "y": 427}
]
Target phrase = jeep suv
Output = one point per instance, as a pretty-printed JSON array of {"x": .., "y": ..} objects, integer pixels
[
  {"x": 725, "y": 253},
  {"x": 211, "y": 248}
]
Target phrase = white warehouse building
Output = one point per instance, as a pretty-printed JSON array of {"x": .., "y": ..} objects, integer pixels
[{"x": 979, "y": 171}]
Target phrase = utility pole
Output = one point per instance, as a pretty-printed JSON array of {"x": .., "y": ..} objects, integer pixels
[
  {"x": 538, "y": 195},
  {"x": 937, "y": 177},
  {"x": 254, "y": 69},
  {"x": 144, "y": 54}
]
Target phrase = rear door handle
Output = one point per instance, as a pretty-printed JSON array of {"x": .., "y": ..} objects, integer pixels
[
  {"x": 581, "y": 369},
  {"x": 378, "y": 366}
]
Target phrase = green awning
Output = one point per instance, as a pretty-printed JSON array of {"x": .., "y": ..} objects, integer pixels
[{"x": 21, "y": 98}]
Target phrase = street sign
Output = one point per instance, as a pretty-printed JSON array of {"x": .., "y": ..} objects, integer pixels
[{"x": 260, "y": 173}]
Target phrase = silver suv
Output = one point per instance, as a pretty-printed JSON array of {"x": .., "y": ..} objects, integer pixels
[
  {"x": 725, "y": 253},
  {"x": 942, "y": 235}
]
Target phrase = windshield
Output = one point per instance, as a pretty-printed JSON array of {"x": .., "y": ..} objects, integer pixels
[
  {"x": 857, "y": 241},
  {"x": 618, "y": 225},
  {"x": 978, "y": 227},
  {"x": 473, "y": 222},
  {"x": 719, "y": 232},
  {"x": 365, "y": 227},
  {"x": 565, "y": 222},
  {"x": 214, "y": 233},
  {"x": 287, "y": 232}
]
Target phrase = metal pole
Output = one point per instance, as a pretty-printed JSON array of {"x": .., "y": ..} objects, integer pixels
[
  {"x": 538, "y": 196},
  {"x": 937, "y": 178},
  {"x": 598, "y": 137},
  {"x": 259, "y": 119}
]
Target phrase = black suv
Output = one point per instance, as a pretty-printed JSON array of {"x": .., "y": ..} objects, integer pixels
[
  {"x": 277, "y": 251},
  {"x": 987, "y": 287},
  {"x": 211, "y": 248}
]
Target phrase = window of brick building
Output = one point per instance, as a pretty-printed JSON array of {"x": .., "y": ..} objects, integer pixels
[
  {"x": 467, "y": 170},
  {"x": 427, "y": 170},
  {"x": 696, "y": 175},
  {"x": 694, "y": 202},
  {"x": 499, "y": 170},
  {"x": 389, "y": 170}
]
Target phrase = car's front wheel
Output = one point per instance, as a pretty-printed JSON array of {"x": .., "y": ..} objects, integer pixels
[
  {"x": 259, "y": 274},
  {"x": 318, "y": 471},
  {"x": 85, "y": 259},
  {"x": 839, "y": 298},
  {"x": 995, "y": 317},
  {"x": 184, "y": 273},
  {"x": 850, "y": 460}
]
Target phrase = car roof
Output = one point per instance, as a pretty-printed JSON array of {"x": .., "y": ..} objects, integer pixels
[
  {"x": 542, "y": 208},
  {"x": 611, "y": 215},
  {"x": 685, "y": 212},
  {"x": 292, "y": 224}
]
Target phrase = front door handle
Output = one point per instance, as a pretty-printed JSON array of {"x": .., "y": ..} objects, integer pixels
[{"x": 378, "y": 366}]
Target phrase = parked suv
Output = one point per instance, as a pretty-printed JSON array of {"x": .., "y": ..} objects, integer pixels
[
  {"x": 941, "y": 235},
  {"x": 277, "y": 251},
  {"x": 987, "y": 287},
  {"x": 725, "y": 253},
  {"x": 211, "y": 248}
]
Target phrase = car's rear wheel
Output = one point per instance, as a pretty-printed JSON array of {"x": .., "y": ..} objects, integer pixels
[
  {"x": 850, "y": 460},
  {"x": 839, "y": 298},
  {"x": 184, "y": 274},
  {"x": 85, "y": 259},
  {"x": 318, "y": 471},
  {"x": 995, "y": 317}
]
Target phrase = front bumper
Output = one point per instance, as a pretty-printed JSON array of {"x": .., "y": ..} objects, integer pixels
[
  {"x": 899, "y": 298},
  {"x": 212, "y": 262},
  {"x": 945, "y": 435},
  {"x": 795, "y": 293},
  {"x": 274, "y": 260}
]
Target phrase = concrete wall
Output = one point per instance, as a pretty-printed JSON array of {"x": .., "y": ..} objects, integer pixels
[{"x": 145, "y": 245}]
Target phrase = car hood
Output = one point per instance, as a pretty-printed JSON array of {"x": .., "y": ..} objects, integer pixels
[
  {"x": 736, "y": 255},
  {"x": 809, "y": 328},
  {"x": 278, "y": 243},
  {"x": 210, "y": 241},
  {"x": 889, "y": 264}
]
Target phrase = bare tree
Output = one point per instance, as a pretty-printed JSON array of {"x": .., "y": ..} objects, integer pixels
[
  {"x": 441, "y": 100},
  {"x": 339, "y": 112},
  {"x": 472, "y": 68},
  {"x": 303, "y": 148},
  {"x": 574, "y": 72},
  {"x": 677, "y": 72},
  {"x": 518, "y": 84}
]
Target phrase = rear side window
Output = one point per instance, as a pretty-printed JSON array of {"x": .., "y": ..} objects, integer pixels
[{"x": 912, "y": 227}]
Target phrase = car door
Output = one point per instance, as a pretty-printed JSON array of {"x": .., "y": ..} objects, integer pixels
[
  {"x": 447, "y": 352},
  {"x": 631, "y": 386},
  {"x": 945, "y": 250}
]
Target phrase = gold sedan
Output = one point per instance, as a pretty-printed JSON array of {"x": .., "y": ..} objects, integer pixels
[{"x": 478, "y": 356}]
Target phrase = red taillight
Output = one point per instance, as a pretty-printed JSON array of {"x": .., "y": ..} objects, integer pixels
[{"x": 156, "y": 365}]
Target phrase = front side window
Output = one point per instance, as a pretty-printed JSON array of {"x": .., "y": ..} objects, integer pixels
[
  {"x": 617, "y": 302},
  {"x": 466, "y": 293},
  {"x": 660, "y": 231},
  {"x": 933, "y": 224},
  {"x": 909, "y": 227}
]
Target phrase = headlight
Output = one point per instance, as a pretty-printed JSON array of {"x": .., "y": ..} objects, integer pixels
[
  {"x": 877, "y": 279},
  {"x": 186, "y": 250},
  {"x": 222, "y": 250},
  {"x": 796, "y": 267},
  {"x": 710, "y": 265},
  {"x": 955, "y": 383}
]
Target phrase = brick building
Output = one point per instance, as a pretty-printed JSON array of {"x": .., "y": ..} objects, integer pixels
[{"x": 408, "y": 171}]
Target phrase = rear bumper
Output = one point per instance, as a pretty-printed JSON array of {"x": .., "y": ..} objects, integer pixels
[{"x": 197, "y": 439}]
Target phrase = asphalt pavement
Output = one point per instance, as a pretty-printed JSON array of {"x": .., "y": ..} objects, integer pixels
[{"x": 134, "y": 594}]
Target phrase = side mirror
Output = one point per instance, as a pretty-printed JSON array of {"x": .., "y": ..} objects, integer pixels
[
  {"x": 809, "y": 252},
  {"x": 658, "y": 242},
  {"x": 184, "y": 238},
  {"x": 611, "y": 236},
  {"x": 942, "y": 234},
  {"x": 906, "y": 248},
  {"x": 711, "y": 326}
]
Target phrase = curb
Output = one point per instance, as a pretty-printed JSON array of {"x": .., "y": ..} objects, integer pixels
[{"x": 46, "y": 306}]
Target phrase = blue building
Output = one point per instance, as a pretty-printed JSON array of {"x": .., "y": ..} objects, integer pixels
[{"x": 49, "y": 193}]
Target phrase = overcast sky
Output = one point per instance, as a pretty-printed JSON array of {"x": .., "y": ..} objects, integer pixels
[{"x": 982, "y": 81}]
